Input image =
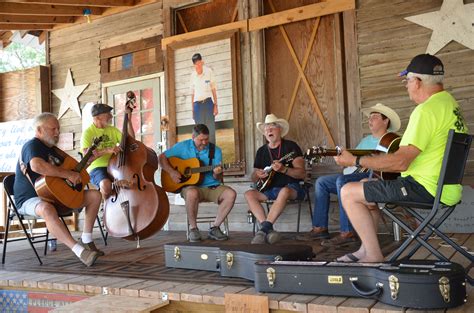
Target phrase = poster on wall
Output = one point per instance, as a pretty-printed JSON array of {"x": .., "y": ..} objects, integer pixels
[{"x": 13, "y": 135}]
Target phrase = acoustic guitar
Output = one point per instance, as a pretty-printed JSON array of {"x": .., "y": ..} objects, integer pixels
[
  {"x": 388, "y": 143},
  {"x": 191, "y": 172},
  {"x": 60, "y": 191},
  {"x": 263, "y": 183}
]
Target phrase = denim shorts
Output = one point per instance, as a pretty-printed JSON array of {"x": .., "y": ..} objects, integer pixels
[
  {"x": 400, "y": 189},
  {"x": 28, "y": 207},
  {"x": 98, "y": 174},
  {"x": 272, "y": 193}
]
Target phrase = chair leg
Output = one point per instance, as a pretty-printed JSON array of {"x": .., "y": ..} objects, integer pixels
[
  {"x": 187, "y": 227},
  {"x": 46, "y": 242},
  {"x": 28, "y": 237},
  {"x": 299, "y": 217},
  {"x": 104, "y": 238},
  {"x": 5, "y": 238}
]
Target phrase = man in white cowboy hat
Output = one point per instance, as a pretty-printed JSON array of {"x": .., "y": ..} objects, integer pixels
[
  {"x": 382, "y": 119},
  {"x": 418, "y": 158},
  {"x": 284, "y": 184}
]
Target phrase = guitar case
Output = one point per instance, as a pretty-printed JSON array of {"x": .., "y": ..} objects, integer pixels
[
  {"x": 413, "y": 284},
  {"x": 231, "y": 260}
]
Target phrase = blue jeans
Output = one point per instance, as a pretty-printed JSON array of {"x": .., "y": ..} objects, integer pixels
[
  {"x": 204, "y": 114},
  {"x": 324, "y": 186}
]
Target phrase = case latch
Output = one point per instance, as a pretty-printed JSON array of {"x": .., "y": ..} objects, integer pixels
[
  {"x": 177, "y": 253},
  {"x": 394, "y": 286},
  {"x": 229, "y": 259},
  {"x": 271, "y": 277},
  {"x": 445, "y": 289}
]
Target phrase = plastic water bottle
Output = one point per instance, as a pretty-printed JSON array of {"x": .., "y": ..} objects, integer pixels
[{"x": 52, "y": 245}]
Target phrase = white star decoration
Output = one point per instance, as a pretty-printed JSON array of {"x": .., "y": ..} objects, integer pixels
[
  {"x": 68, "y": 95},
  {"x": 454, "y": 21}
]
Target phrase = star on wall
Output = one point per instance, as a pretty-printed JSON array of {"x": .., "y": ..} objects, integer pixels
[
  {"x": 68, "y": 95},
  {"x": 454, "y": 21}
]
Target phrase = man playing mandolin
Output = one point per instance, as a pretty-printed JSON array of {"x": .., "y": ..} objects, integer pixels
[
  {"x": 37, "y": 158},
  {"x": 101, "y": 127},
  {"x": 209, "y": 189},
  {"x": 277, "y": 176},
  {"x": 382, "y": 119}
]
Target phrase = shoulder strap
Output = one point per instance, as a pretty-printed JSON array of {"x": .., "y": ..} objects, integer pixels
[
  {"x": 212, "y": 150},
  {"x": 24, "y": 169}
]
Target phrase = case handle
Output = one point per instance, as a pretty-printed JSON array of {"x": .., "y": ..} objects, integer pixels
[{"x": 366, "y": 293}]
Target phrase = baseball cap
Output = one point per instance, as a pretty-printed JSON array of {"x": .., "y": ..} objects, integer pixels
[
  {"x": 424, "y": 64},
  {"x": 100, "y": 108}
]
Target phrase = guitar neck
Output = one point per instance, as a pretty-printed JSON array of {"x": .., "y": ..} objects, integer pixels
[
  {"x": 356, "y": 152},
  {"x": 203, "y": 169}
]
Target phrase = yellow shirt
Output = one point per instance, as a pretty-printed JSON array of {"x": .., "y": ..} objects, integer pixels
[{"x": 111, "y": 136}]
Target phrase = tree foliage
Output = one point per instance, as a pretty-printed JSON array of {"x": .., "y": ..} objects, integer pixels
[{"x": 19, "y": 57}]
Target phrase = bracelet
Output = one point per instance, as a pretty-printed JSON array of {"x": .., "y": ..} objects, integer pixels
[{"x": 357, "y": 162}]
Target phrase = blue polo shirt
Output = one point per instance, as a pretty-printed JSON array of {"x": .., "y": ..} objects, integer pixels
[{"x": 187, "y": 150}]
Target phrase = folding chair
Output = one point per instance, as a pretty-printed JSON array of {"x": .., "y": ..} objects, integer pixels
[
  {"x": 307, "y": 198},
  {"x": 452, "y": 172},
  {"x": 8, "y": 182}
]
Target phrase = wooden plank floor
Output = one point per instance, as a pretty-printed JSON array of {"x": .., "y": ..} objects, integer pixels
[{"x": 128, "y": 271}]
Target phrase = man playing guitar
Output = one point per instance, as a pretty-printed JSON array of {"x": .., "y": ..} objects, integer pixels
[
  {"x": 39, "y": 158},
  {"x": 382, "y": 119},
  {"x": 285, "y": 183},
  {"x": 210, "y": 189}
]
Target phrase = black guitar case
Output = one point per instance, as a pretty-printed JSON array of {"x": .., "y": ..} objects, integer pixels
[
  {"x": 412, "y": 284},
  {"x": 231, "y": 260}
]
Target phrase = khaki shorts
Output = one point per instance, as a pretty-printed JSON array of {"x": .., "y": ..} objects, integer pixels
[{"x": 206, "y": 194}]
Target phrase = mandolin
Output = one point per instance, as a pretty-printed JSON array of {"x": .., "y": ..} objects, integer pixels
[
  {"x": 60, "y": 191},
  {"x": 191, "y": 172},
  {"x": 263, "y": 183},
  {"x": 388, "y": 143}
]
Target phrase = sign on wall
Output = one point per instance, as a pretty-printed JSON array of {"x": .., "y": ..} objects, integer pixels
[{"x": 13, "y": 136}]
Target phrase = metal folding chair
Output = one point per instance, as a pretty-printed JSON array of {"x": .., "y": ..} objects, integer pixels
[{"x": 452, "y": 172}]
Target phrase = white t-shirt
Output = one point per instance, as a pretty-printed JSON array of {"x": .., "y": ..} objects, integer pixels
[{"x": 203, "y": 84}]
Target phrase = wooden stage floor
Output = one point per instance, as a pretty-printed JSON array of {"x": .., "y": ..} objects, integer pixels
[{"x": 128, "y": 271}]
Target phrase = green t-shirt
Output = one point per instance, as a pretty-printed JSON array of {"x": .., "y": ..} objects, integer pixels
[
  {"x": 428, "y": 131},
  {"x": 112, "y": 136}
]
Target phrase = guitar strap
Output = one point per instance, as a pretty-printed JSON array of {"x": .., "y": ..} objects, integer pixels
[
  {"x": 24, "y": 170},
  {"x": 212, "y": 150}
]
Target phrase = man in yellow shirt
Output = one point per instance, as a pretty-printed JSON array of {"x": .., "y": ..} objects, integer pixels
[
  {"x": 419, "y": 157},
  {"x": 111, "y": 137}
]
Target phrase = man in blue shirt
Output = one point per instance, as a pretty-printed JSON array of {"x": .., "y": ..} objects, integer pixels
[
  {"x": 382, "y": 119},
  {"x": 210, "y": 189}
]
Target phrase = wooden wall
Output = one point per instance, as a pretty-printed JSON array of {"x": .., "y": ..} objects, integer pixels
[
  {"x": 78, "y": 47},
  {"x": 386, "y": 44},
  {"x": 24, "y": 94}
]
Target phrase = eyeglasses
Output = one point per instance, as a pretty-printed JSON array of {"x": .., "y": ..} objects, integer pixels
[
  {"x": 407, "y": 80},
  {"x": 271, "y": 126}
]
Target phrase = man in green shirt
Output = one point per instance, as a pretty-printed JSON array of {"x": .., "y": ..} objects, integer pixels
[
  {"x": 419, "y": 157},
  {"x": 111, "y": 136}
]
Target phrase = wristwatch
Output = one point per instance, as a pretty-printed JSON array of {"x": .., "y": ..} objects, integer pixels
[{"x": 357, "y": 163}]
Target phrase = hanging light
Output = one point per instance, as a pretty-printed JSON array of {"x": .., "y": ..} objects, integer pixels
[{"x": 87, "y": 13}]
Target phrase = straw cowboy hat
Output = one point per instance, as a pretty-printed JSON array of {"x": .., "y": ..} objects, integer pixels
[
  {"x": 395, "y": 122},
  {"x": 272, "y": 119}
]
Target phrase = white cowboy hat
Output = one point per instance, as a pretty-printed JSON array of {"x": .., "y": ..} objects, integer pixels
[
  {"x": 395, "y": 122},
  {"x": 272, "y": 119}
]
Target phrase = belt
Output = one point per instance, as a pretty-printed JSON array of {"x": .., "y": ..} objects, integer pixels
[{"x": 202, "y": 101}]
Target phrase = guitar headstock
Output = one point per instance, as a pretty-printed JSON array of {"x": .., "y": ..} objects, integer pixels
[
  {"x": 235, "y": 165},
  {"x": 131, "y": 99},
  {"x": 97, "y": 141},
  {"x": 316, "y": 154}
]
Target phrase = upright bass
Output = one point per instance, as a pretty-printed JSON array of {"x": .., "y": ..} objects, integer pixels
[{"x": 138, "y": 207}]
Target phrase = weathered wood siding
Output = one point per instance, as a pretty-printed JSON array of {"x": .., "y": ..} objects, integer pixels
[
  {"x": 386, "y": 44},
  {"x": 78, "y": 47},
  {"x": 217, "y": 56}
]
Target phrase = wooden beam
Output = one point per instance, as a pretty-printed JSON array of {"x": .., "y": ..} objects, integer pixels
[
  {"x": 39, "y": 9},
  {"x": 88, "y": 3},
  {"x": 270, "y": 20},
  {"x": 25, "y": 26},
  {"x": 300, "y": 13},
  {"x": 239, "y": 25},
  {"x": 28, "y": 19}
]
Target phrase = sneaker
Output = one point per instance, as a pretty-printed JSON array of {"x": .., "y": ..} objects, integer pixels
[
  {"x": 342, "y": 239},
  {"x": 314, "y": 234},
  {"x": 194, "y": 235},
  {"x": 88, "y": 257},
  {"x": 273, "y": 237},
  {"x": 91, "y": 246},
  {"x": 259, "y": 238},
  {"x": 216, "y": 234}
]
